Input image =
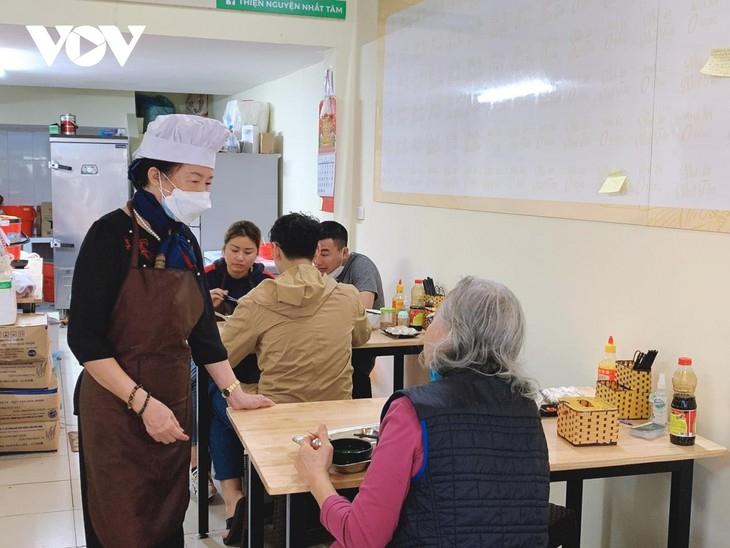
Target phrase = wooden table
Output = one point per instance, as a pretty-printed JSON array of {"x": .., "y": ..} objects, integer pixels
[
  {"x": 381, "y": 344},
  {"x": 267, "y": 434}
]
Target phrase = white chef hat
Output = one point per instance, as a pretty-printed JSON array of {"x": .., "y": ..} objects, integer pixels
[{"x": 183, "y": 138}]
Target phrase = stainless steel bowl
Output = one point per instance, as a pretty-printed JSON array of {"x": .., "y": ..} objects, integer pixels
[{"x": 353, "y": 468}]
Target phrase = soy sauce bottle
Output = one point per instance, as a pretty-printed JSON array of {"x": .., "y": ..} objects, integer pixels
[{"x": 684, "y": 406}]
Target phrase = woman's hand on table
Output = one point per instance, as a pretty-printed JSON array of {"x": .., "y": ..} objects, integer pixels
[
  {"x": 313, "y": 464},
  {"x": 240, "y": 400},
  {"x": 217, "y": 296},
  {"x": 161, "y": 424}
]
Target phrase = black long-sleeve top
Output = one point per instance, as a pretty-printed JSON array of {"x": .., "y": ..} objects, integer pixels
[{"x": 100, "y": 269}]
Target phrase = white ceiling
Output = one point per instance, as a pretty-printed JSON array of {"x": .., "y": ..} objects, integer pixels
[{"x": 159, "y": 63}]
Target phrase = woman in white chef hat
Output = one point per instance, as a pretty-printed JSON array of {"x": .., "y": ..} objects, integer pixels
[{"x": 140, "y": 308}]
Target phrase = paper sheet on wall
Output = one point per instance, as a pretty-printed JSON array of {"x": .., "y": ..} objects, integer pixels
[
  {"x": 718, "y": 64},
  {"x": 612, "y": 184},
  {"x": 326, "y": 174}
]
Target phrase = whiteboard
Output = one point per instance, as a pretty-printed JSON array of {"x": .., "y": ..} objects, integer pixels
[{"x": 623, "y": 95}]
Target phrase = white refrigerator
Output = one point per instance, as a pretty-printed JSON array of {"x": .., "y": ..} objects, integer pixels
[{"x": 88, "y": 180}]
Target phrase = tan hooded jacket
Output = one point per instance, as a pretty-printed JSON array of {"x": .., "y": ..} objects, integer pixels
[{"x": 302, "y": 326}]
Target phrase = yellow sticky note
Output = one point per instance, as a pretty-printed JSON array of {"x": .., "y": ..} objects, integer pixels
[
  {"x": 613, "y": 183},
  {"x": 718, "y": 63}
]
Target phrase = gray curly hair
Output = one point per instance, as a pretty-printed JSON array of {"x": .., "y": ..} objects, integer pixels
[{"x": 485, "y": 328}]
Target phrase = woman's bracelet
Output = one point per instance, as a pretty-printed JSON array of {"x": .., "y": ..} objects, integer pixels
[
  {"x": 131, "y": 396},
  {"x": 144, "y": 405}
]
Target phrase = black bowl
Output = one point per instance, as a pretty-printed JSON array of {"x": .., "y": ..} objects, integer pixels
[
  {"x": 351, "y": 450},
  {"x": 19, "y": 263}
]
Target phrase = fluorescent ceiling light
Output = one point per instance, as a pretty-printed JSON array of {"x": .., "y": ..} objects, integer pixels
[
  {"x": 513, "y": 91},
  {"x": 17, "y": 59}
]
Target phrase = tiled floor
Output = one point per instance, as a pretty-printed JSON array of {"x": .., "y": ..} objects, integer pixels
[{"x": 40, "y": 497}]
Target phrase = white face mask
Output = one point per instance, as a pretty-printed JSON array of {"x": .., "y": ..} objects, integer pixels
[
  {"x": 336, "y": 272},
  {"x": 184, "y": 206}
]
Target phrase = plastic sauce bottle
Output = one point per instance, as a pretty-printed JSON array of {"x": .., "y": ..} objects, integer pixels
[
  {"x": 417, "y": 310},
  {"x": 607, "y": 366},
  {"x": 684, "y": 406},
  {"x": 232, "y": 144},
  {"x": 403, "y": 318},
  {"x": 398, "y": 298},
  {"x": 658, "y": 401}
]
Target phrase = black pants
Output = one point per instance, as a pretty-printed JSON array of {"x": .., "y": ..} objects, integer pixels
[{"x": 362, "y": 366}]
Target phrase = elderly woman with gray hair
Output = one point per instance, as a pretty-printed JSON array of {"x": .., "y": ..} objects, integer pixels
[{"x": 461, "y": 461}]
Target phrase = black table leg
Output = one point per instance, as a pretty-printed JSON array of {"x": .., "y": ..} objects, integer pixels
[
  {"x": 574, "y": 500},
  {"x": 203, "y": 454},
  {"x": 255, "y": 517},
  {"x": 296, "y": 523},
  {"x": 680, "y": 505},
  {"x": 398, "y": 361}
]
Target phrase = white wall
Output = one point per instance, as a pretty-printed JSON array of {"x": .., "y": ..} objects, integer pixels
[
  {"x": 294, "y": 101},
  {"x": 35, "y": 105},
  {"x": 579, "y": 282}
]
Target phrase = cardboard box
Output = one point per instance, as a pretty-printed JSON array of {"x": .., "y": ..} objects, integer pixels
[
  {"x": 18, "y": 405},
  {"x": 26, "y": 374},
  {"x": 266, "y": 143},
  {"x": 46, "y": 228},
  {"x": 250, "y": 139},
  {"x": 46, "y": 210},
  {"x": 25, "y": 340},
  {"x": 29, "y": 436}
]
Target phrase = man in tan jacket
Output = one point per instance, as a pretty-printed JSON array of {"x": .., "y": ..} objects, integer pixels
[{"x": 302, "y": 325}]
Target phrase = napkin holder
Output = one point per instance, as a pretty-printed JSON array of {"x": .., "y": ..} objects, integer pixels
[{"x": 587, "y": 421}]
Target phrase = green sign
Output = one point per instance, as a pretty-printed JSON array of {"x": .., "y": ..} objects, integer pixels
[{"x": 332, "y": 9}]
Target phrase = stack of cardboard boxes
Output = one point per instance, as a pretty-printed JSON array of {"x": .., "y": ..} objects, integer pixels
[
  {"x": 29, "y": 402},
  {"x": 45, "y": 215}
]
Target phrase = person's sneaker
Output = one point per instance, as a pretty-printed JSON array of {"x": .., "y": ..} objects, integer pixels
[
  {"x": 194, "y": 482},
  {"x": 212, "y": 491}
]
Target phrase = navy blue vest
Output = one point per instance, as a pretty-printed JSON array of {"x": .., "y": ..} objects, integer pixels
[{"x": 485, "y": 480}]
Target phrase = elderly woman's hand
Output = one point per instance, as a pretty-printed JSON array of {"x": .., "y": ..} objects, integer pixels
[{"x": 313, "y": 461}]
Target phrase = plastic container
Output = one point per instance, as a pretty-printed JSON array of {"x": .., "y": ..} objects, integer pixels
[
  {"x": 26, "y": 214},
  {"x": 8, "y": 300},
  {"x": 387, "y": 317},
  {"x": 683, "y": 419},
  {"x": 607, "y": 366},
  {"x": 658, "y": 400}
]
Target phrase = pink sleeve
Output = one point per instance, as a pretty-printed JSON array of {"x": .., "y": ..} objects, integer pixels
[{"x": 373, "y": 516}]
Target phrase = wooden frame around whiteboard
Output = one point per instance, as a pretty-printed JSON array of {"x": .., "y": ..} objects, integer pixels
[{"x": 669, "y": 217}]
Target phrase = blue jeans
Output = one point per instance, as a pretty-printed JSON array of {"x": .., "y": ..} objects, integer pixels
[{"x": 226, "y": 450}]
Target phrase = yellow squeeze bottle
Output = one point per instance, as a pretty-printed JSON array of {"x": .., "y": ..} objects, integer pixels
[
  {"x": 398, "y": 298},
  {"x": 607, "y": 366}
]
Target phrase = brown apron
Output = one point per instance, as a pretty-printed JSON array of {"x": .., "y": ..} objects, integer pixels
[{"x": 137, "y": 488}]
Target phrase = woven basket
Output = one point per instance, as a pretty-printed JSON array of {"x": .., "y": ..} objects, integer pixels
[
  {"x": 630, "y": 404},
  {"x": 638, "y": 381},
  {"x": 432, "y": 304},
  {"x": 587, "y": 421}
]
